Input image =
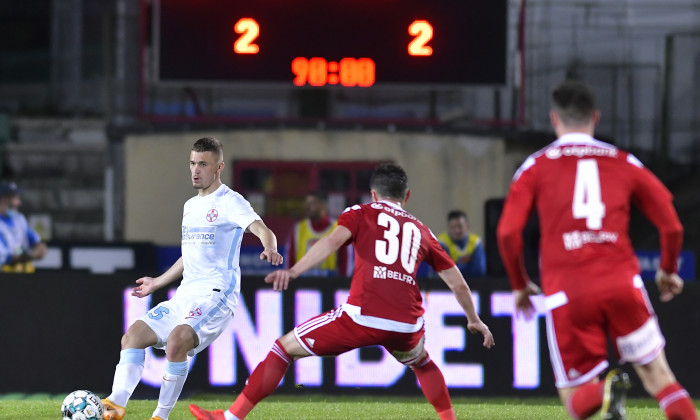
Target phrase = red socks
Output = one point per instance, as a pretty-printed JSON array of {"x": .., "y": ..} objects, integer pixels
[
  {"x": 676, "y": 403},
  {"x": 586, "y": 400},
  {"x": 673, "y": 400},
  {"x": 263, "y": 381},
  {"x": 433, "y": 385}
]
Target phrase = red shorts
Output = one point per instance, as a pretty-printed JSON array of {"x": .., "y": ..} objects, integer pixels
[
  {"x": 578, "y": 328},
  {"x": 334, "y": 332}
]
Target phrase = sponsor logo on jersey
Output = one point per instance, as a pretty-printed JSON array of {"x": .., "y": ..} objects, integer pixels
[
  {"x": 202, "y": 235},
  {"x": 580, "y": 151},
  {"x": 381, "y": 272},
  {"x": 391, "y": 210},
  {"x": 576, "y": 239},
  {"x": 212, "y": 215},
  {"x": 310, "y": 342}
]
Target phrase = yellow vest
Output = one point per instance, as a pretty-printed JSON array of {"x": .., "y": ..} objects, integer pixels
[
  {"x": 459, "y": 255},
  {"x": 305, "y": 237},
  {"x": 27, "y": 267}
]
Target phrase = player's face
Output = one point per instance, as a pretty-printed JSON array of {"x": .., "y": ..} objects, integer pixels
[
  {"x": 457, "y": 228},
  {"x": 205, "y": 168}
]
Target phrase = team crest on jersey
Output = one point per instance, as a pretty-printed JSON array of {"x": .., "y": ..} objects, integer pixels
[
  {"x": 194, "y": 313},
  {"x": 212, "y": 215}
]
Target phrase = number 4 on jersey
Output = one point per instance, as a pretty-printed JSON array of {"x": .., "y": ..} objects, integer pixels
[{"x": 587, "y": 203}]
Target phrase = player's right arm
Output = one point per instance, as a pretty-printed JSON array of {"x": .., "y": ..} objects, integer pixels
[
  {"x": 516, "y": 211},
  {"x": 455, "y": 281},
  {"x": 148, "y": 285},
  {"x": 321, "y": 250}
]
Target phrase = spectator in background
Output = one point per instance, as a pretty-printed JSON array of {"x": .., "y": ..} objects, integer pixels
[
  {"x": 19, "y": 243},
  {"x": 308, "y": 231},
  {"x": 465, "y": 248}
]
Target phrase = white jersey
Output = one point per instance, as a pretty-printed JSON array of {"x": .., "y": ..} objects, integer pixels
[
  {"x": 212, "y": 231},
  {"x": 16, "y": 236}
]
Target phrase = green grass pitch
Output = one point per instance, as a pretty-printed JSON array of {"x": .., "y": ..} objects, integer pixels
[{"x": 46, "y": 407}]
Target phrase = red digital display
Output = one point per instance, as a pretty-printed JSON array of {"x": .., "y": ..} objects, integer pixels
[
  {"x": 249, "y": 31},
  {"x": 349, "y": 43},
  {"x": 316, "y": 71}
]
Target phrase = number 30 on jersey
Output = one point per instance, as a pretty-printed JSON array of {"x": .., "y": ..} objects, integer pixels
[{"x": 387, "y": 250}]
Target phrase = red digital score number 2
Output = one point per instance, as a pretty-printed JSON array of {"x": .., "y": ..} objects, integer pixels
[{"x": 316, "y": 71}]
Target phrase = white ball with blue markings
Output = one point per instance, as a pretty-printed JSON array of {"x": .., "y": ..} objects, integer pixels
[{"x": 82, "y": 405}]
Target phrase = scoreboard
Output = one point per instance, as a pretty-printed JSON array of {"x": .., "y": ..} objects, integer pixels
[{"x": 347, "y": 43}]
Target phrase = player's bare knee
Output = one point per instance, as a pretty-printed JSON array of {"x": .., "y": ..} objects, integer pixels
[
  {"x": 292, "y": 347},
  {"x": 418, "y": 362},
  {"x": 125, "y": 342},
  {"x": 132, "y": 340},
  {"x": 138, "y": 336},
  {"x": 655, "y": 376},
  {"x": 180, "y": 341}
]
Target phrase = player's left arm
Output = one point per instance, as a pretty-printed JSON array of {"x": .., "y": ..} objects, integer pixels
[
  {"x": 455, "y": 281},
  {"x": 321, "y": 250},
  {"x": 656, "y": 202},
  {"x": 269, "y": 242}
]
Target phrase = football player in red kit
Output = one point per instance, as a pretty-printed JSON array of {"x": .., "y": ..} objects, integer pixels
[
  {"x": 385, "y": 305},
  {"x": 583, "y": 190}
]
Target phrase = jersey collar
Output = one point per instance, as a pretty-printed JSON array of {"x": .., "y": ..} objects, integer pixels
[
  {"x": 392, "y": 204},
  {"x": 581, "y": 138},
  {"x": 574, "y": 138}
]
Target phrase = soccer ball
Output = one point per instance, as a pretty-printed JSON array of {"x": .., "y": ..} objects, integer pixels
[{"x": 82, "y": 405}]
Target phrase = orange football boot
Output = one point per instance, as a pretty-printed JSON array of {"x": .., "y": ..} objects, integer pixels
[{"x": 203, "y": 414}]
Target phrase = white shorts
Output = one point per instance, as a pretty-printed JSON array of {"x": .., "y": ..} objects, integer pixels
[{"x": 207, "y": 315}]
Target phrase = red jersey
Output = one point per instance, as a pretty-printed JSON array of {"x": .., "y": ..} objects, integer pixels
[
  {"x": 583, "y": 189},
  {"x": 389, "y": 246}
]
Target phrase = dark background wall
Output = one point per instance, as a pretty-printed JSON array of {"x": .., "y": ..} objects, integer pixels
[{"x": 62, "y": 332}]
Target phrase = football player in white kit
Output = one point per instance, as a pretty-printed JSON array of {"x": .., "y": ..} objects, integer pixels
[{"x": 213, "y": 223}]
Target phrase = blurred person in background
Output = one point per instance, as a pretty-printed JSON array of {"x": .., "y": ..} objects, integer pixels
[
  {"x": 316, "y": 224},
  {"x": 19, "y": 243},
  {"x": 583, "y": 190},
  {"x": 464, "y": 247}
]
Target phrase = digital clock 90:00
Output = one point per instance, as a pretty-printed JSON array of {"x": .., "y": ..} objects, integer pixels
[{"x": 332, "y": 42}]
